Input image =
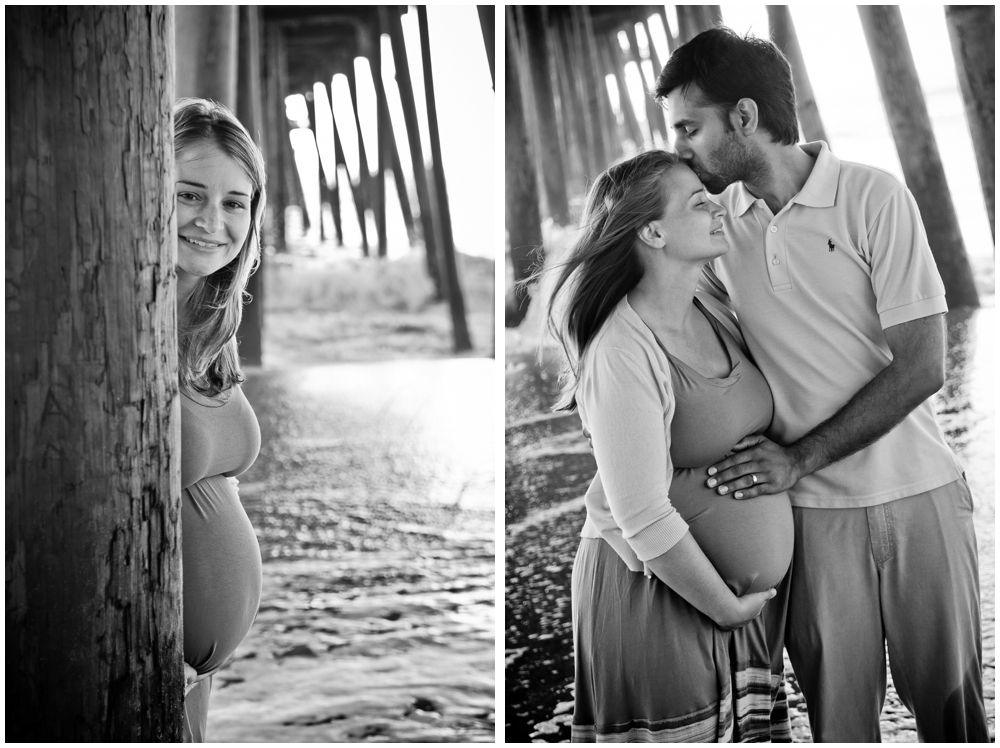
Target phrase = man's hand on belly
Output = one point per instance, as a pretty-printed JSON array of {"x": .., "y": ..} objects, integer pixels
[{"x": 757, "y": 467}]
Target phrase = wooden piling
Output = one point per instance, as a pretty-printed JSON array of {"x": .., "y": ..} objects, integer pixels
[
  {"x": 917, "y": 149},
  {"x": 523, "y": 221},
  {"x": 456, "y": 301},
  {"x": 249, "y": 110},
  {"x": 362, "y": 195},
  {"x": 395, "y": 26},
  {"x": 323, "y": 177},
  {"x": 592, "y": 91},
  {"x": 614, "y": 61},
  {"x": 783, "y": 34},
  {"x": 581, "y": 160},
  {"x": 384, "y": 134},
  {"x": 488, "y": 26},
  {"x": 206, "y": 39},
  {"x": 340, "y": 163},
  {"x": 94, "y": 642},
  {"x": 539, "y": 79},
  {"x": 274, "y": 153},
  {"x": 972, "y": 29},
  {"x": 654, "y": 115}
]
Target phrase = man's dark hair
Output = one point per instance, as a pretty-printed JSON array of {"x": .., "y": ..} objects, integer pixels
[{"x": 727, "y": 67}]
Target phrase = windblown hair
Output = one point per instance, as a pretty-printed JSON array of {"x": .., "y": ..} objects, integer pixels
[
  {"x": 727, "y": 67},
  {"x": 207, "y": 351},
  {"x": 604, "y": 264}
]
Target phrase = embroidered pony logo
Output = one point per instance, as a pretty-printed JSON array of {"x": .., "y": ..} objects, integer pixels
[{"x": 830, "y": 244}]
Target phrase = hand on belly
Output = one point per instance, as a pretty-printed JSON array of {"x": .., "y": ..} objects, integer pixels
[{"x": 749, "y": 542}]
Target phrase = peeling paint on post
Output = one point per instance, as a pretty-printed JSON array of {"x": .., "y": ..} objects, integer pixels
[{"x": 94, "y": 641}]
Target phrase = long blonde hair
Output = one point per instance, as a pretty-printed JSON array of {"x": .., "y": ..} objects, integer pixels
[
  {"x": 604, "y": 264},
  {"x": 209, "y": 359}
]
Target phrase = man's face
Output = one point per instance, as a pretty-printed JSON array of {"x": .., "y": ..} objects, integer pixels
[{"x": 709, "y": 143}]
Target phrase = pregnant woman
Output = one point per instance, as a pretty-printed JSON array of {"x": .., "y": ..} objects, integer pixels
[
  {"x": 220, "y": 204},
  {"x": 670, "y": 579}
]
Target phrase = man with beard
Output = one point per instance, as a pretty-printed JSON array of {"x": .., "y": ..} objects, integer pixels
[{"x": 842, "y": 307}]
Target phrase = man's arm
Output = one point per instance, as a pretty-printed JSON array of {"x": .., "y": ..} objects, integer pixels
[{"x": 915, "y": 373}]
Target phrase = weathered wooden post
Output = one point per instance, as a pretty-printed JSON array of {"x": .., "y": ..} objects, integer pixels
[
  {"x": 614, "y": 62},
  {"x": 918, "y": 154},
  {"x": 456, "y": 302},
  {"x": 94, "y": 647},
  {"x": 520, "y": 186},
  {"x": 393, "y": 162},
  {"x": 362, "y": 195},
  {"x": 779, "y": 18},
  {"x": 581, "y": 162},
  {"x": 488, "y": 25},
  {"x": 384, "y": 128},
  {"x": 276, "y": 130},
  {"x": 693, "y": 19},
  {"x": 593, "y": 91},
  {"x": 972, "y": 29},
  {"x": 354, "y": 181},
  {"x": 249, "y": 110},
  {"x": 207, "y": 42},
  {"x": 296, "y": 190},
  {"x": 324, "y": 191},
  {"x": 654, "y": 115},
  {"x": 612, "y": 143},
  {"x": 553, "y": 176},
  {"x": 563, "y": 128},
  {"x": 391, "y": 20},
  {"x": 338, "y": 159}
]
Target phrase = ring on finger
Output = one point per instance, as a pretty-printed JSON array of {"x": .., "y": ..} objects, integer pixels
[{"x": 753, "y": 477}]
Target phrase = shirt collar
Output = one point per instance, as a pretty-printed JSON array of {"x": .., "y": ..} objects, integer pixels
[{"x": 819, "y": 191}]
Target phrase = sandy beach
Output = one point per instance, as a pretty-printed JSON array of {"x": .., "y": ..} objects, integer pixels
[{"x": 373, "y": 503}]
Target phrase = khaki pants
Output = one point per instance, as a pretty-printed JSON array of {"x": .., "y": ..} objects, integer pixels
[{"x": 905, "y": 574}]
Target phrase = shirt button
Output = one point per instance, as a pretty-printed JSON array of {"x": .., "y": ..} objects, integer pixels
[{"x": 774, "y": 229}]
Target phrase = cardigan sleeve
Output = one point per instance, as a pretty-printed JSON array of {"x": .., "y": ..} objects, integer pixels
[{"x": 629, "y": 409}]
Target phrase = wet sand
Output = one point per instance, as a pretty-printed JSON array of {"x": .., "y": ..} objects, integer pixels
[
  {"x": 549, "y": 466},
  {"x": 373, "y": 503}
]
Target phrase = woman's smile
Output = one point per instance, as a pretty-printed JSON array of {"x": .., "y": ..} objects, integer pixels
[{"x": 203, "y": 244}]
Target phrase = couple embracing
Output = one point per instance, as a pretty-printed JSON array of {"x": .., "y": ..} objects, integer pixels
[{"x": 755, "y": 371}]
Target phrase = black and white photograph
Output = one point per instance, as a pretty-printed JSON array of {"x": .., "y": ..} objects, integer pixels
[
  {"x": 250, "y": 374},
  {"x": 749, "y": 357}
]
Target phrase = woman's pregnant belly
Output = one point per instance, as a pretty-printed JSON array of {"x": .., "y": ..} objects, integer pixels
[
  {"x": 749, "y": 542},
  {"x": 222, "y": 572}
]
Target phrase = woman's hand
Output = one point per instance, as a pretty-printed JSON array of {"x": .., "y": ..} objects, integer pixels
[
  {"x": 191, "y": 678},
  {"x": 744, "y": 610},
  {"x": 689, "y": 573}
]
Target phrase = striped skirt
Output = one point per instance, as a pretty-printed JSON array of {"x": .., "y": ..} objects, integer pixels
[{"x": 650, "y": 668}]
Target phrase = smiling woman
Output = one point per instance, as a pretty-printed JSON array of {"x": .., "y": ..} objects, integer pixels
[{"x": 219, "y": 188}]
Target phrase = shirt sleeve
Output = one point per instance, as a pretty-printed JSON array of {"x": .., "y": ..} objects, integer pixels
[
  {"x": 905, "y": 278},
  {"x": 629, "y": 411}
]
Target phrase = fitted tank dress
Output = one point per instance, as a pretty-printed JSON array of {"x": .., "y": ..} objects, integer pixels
[
  {"x": 221, "y": 557},
  {"x": 649, "y": 666}
]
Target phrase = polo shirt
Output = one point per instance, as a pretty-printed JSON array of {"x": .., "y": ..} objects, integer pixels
[{"x": 814, "y": 287}]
